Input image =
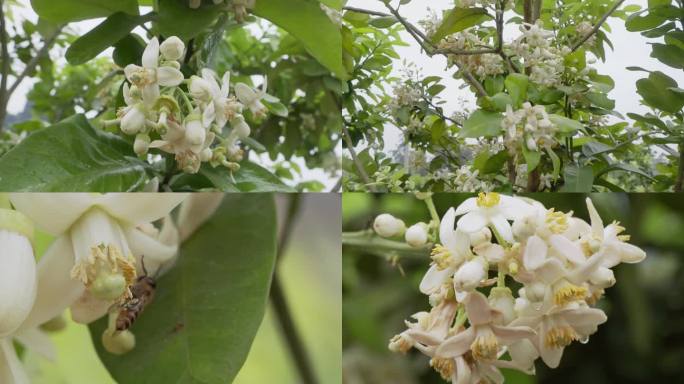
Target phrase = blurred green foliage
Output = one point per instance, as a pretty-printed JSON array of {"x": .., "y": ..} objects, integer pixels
[{"x": 642, "y": 342}]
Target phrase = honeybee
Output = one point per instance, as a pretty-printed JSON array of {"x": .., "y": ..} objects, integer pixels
[{"x": 142, "y": 294}]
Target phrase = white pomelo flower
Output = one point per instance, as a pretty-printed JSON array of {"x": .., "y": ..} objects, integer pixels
[
  {"x": 251, "y": 98},
  {"x": 150, "y": 76},
  {"x": 93, "y": 261},
  {"x": 212, "y": 95},
  {"x": 448, "y": 256},
  {"x": 491, "y": 209}
]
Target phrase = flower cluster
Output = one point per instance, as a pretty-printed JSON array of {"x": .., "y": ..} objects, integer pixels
[
  {"x": 406, "y": 94},
  {"x": 476, "y": 324},
  {"x": 544, "y": 61},
  {"x": 192, "y": 130},
  {"x": 529, "y": 126},
  {"x": 488, "y": 64}
]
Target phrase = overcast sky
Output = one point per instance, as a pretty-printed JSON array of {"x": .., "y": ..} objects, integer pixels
[{"x": 631, "y": 49}]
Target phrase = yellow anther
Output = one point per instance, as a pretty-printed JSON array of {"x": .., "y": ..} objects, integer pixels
[
  {"x": 560, "y": 337},
  {"x": 488, "y": 199},
  {"x": 569, "y": 293},
  {"x": 557, "y": 222},
  {"x": 103, "y": 269},
  {"x": 445, "y": 367},
  {"x": 485, "y": 347},
  {"x": 440, "y": 256}
]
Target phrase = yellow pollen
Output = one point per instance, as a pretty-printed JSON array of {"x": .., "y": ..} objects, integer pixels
[
  {"x": 400, "y": 344},
  {"x": 569, "y": 293},
  {"x": 594, "y": 297},
  {"x": 560, "y": 337},
  {"x": 105, "y": 259},
  {"x": 557, "y": 222},
  {"x": 488, "y": 200},
  {"x": 485, "y": 347},
  {"x": 440, "y": 256},
  {"x": 445, "y": 367}
]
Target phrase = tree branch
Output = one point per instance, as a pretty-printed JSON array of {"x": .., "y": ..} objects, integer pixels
[
  {"x": 281, "y": 307},
  {"x": 598, "y": 25},
  {"x": 355, "y": 157},
  {"x": 5, "y": 66},
  {"x": 34, "y": 60}
]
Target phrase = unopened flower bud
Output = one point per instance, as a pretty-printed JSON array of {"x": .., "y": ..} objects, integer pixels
[
  {"x": 387, "y": 225},
  {"x": 416, "y": 235},
  {"x": 172, "y": 48},
  {"x": 482, "y": 236},
  {"x": 194, "y": 131},
  {"x": 524, "y": 227},
  {"x": 133, "y": 120},
  {"x": 141, "y": 144}
]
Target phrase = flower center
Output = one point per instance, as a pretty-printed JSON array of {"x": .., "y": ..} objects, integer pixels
[
  {"x": 445, "y": 367},
  {"x": 485, "y": 347},
  {"x": 106, "y": 272},
  {"x": 441, "y": 256},
  {"x": 488, "y": 199},
  {"x": 143, "y": 76},
  {"x": 560, "y": 337},
  {"x": 568, "y": 293},
  {"x": 557, "y": 222}
]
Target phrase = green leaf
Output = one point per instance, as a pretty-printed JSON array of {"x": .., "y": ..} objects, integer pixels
[
  {"x": 516, "y": 85},
  {"x": 106, "y": 34},
  {"x": 310, "y": 25},
  {"x": 564, "y": 124},
  {"x": 601, "y": 100},
  {"x": 208, "y": 307},
  {"x": 655, "y": 92},
  {"x": 670, "y": 55},
  {"x": 64, "y": 11},
  {"x": 577, "y": 179},
  {"x": 482, "y": 123},
  {"x": 532, "y": 158},
  {"x": 176, "y": 18},
  {"x": 487, "y": 164},
  {"x": 72, "y": 156},
  {"x": 383, "y": 22},
  {"x": 128, "y": 50},
  {"x": 249, "y": 178},
  {"x": 594, "y": 148},
  {"x": 459, "y": 19},
  {"x": 635, "y": 22}
]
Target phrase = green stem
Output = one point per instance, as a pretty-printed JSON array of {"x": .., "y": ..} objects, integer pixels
[
  {"x": 431, "y": 207},
  {"x": 501, "y": 277},
  {"x": 186, "y": 100},
  {"x": 460, "y": 317},
  {"x": 370, "y": 242}
]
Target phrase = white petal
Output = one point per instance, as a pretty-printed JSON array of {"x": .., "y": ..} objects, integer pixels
[
  {"x": 208, "y": 115},
  {"x": 550, "y": 355},
  {"x": 88, "y": 308},
  {"x": 472, "y": 222},
  {"x": 225, "y": 84},
  {"x": 11, "y": 370},
  {"x": 96, "y": 227},
  {"x": 462, "y": 373},
  {"x": 514, "y": 208},
  {"x": 570, "y": 250},
  {"x": 596, "y": 222},
  {"x": 17, "y": 280},
  {"x": 550, "y": 271},
  {"x": 37, "y": 341},
  {"x": 169, "y": 76},
  {"x": 535, "y": 253},
  {"x": 523, "y": 354},
  {"x": 53, "y": 212},
  {"x": 502, "y": 226},
  {"x": 457, "y": 345},
  {"x": 195, "y": 210},
  {"x": 138, "y": 208},
  {"x": 56, "y": 289},
  {"x": 133, "y": 120},
  {"x": 130, "y": 69},
  {"x": 509, "y": 335},
  {"x": 127, "y": 94},
  {"x": 434, "y": 278},
  {"x": 172, "y": 48},
  {"x": 477, "y": 308},
  {"x": 584, "y": 271},
  {"x": 494, "y": 253},
  {"x": 245, "y": 93},
  {"x": 155, "y": 252},
  {"x": 468, "y": 205},
  {"x": 584, "y": 317},
  {"x": 446, "y": 229},
  {"x": 630, "y": 253},
  {"x": 150, "y": 94},
  {"x": 150, "y": 57}
]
